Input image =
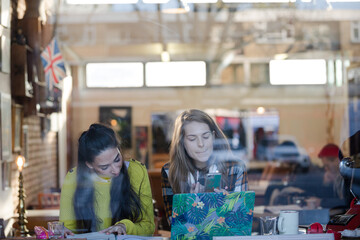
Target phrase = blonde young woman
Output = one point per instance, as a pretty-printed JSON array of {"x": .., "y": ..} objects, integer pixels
[{"x": 199, "y": 147}]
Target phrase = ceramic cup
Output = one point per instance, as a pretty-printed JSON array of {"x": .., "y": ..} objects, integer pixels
[{"x": 288, "y": 222}]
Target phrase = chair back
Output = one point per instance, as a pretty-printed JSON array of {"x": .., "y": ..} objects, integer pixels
[{"x": 49, "y": 200}]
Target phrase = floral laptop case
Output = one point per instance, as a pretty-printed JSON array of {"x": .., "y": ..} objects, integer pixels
[{"x": 204, "y": 215}]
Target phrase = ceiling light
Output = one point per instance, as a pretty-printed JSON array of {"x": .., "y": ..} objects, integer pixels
[
  {"x": 165, "y": 56},
  {"x": 101, "y": 1},
  {"x": 281, "y": 56},
  {"x": 175, "y": 7},
  {"x": 260, "y": 110}
]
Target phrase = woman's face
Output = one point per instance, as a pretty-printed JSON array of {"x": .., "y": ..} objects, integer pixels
[
  {"x": 108, "y": 163},
  {"x": 198, "y": 141}
]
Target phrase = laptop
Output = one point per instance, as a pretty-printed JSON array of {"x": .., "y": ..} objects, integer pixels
[{"x": 204, "y": 215}]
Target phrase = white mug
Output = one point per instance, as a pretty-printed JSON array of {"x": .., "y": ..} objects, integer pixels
[{"x": 288, "y": 222}]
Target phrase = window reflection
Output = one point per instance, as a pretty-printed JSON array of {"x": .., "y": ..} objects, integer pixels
[{"x": 236, "y": 44}]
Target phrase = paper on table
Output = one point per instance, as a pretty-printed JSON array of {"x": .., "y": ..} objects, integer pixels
[
  {"x": 133, "y": 237},
  {"x": 103, "y": 236},
  {"x": 95, "y": 235}
]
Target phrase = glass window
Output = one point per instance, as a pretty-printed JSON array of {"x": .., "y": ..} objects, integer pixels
[
  {"x": 297, "y": 72},
  {"x": 161, "y": 74},
  {"x": 109, "y": 75}
]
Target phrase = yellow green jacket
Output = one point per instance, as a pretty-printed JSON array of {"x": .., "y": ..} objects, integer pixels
[{"x": 139, "y": 180}]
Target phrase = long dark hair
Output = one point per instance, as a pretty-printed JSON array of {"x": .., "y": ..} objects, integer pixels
[{"x": 124, "y": 203}]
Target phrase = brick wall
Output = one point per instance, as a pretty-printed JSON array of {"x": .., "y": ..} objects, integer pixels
[{"x": 40, "y": 174}]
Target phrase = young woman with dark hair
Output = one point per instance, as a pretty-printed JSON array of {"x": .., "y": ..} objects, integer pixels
[
  {"x": 105, "y": 192},
  {"x": 199, "y": 147}
]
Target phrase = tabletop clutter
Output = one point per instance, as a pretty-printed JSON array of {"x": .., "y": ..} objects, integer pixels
[
  {"x": 55, "y": 230},
  {"x": 288, "y": 223}
]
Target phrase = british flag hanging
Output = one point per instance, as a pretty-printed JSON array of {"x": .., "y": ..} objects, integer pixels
[{"x": 54, "y": 67}]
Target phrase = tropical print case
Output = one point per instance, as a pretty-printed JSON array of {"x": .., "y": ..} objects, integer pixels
[{"x": 204, "y": 215}]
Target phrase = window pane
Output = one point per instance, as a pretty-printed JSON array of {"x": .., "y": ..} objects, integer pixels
[
  {"x": 114, "y": 75},
  {"x": 160, "y": 74},
  {"x": 292, "y": 72}
]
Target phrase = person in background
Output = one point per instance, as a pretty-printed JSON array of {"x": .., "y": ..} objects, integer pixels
[
  {"x": 331, "y": 192},
  {"x": 105, "y": 192},
  {"x": 319, "y": 186},
  {"x": 329, "y": 156},
  {"x": 350, "y": 154},
  {"x": 199, "y": 147}
]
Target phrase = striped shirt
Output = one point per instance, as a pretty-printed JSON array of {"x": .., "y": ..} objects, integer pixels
[{"x": 237, "y": 179}]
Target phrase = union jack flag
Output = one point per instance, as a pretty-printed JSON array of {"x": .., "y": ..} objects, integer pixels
[{"x": 53, "y": 64}]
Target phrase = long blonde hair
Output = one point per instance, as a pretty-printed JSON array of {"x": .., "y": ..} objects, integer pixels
[{"x": 180, "y": 162}]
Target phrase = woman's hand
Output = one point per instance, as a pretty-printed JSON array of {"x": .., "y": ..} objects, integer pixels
[
  {"x": 221, "y": 191},
  {"x": 196, "y": 188},
  {"x": 119, "y": 229},
  {"x": 68, "y": 232}
]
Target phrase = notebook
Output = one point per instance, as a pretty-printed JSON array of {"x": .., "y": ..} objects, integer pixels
[{"x": 204, "y": 215}]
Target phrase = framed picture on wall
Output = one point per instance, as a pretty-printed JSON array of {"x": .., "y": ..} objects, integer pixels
[
  {"x": 17, "y": 118},
  {"x": 162, "y": 125},
  {"x": 6, "y": 133},
  {"x": 119, "y": 118},
  {"x": 6, "y": 175}
]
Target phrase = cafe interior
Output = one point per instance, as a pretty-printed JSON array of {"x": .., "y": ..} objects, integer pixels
[{"x": 280, "y": 77}]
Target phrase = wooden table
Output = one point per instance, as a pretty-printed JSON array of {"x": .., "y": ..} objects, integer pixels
[
  {"x": 34, "y": 238},
  {"x": 38, "y": 217}
]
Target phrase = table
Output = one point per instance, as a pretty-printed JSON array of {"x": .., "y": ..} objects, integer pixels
[
  {"x": 34, "y": 238},
  {"x": 319, "y": 236},
  {"x": 38, "y": 217}
]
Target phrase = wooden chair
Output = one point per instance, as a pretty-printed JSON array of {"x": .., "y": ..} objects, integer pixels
[
  {"x": 155, "y": 182},
  {"x": 159, "y": 159},
  {"x": 49, "y": 200}
]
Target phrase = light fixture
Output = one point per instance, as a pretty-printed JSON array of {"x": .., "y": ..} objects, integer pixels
[
  {"x": 101, "y": 1},
  {"x": 260, "y": 110},
  {"x": 24, "y": 232},
  {"x": 175, "y": 7},
  {"x": 165, "y": 56},
  {"x": 20, "y": 162},
  {"x": 281, "y": 56}
]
